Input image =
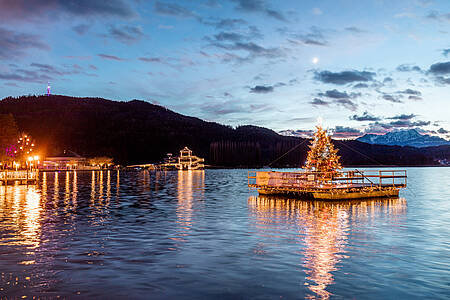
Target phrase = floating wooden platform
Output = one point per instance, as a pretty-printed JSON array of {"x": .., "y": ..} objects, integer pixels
[
  {"x": 343, "y": 185},
  {"x": 21, "y": 177}
]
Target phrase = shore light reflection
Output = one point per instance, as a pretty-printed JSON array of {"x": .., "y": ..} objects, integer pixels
[
  {"x": 190, "y": 188},
  {"x": 20, "y": 211}
]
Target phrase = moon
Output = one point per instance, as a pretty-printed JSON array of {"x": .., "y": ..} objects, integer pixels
[{"x": 315, "y": 60}]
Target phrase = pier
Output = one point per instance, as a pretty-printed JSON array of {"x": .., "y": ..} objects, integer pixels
[
  {"x": 320, "y": 185},
  {"x": 23, "y": 177}
]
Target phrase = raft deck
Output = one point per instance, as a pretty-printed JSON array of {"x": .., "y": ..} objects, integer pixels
[{"x": 343, "y": 185}]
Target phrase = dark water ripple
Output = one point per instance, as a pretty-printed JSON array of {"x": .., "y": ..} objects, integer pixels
[{"x": 204, "y": 235}]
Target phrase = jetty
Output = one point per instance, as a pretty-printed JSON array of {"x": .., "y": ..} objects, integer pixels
[
  {"x": 353, "y": 184},
  {"x": 22, "y": 177}
]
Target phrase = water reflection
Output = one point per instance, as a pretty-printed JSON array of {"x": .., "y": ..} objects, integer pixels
[
  {"x": 20, "y": 214},
  {"x": 190, "y": 188},
  {"x": 323, "y": 228}
]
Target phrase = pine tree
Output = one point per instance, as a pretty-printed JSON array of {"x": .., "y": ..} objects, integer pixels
[{"x": 322, "y": 157}]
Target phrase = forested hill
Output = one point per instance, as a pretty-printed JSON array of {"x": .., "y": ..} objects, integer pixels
[{"x": 140, "y": 132}]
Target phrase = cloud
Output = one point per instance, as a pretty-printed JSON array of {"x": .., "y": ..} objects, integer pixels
[
  {"x": 345, "y": 132},
  {"x": 335, "y": 94},
  {"x": 258, "y": 6},
  {"x": 347, "y": 103},
  {"x": 39, "y": 73},
  {"x": 415, "y": 98},
  {"x": 435, "y": 15},
  {"x": 297, "y": 133},
  {"x": 341, "y": 98},
  {"x": 446, "y": 52},
  {"x": 225, "y": 23},
  {"x": 229, "y": 36},
  {"x": 126, "y": 34},
  {"x": 151, "y": 59},
  {"x": 409, "y": 68},
  {"x": 223, "y": 108},
  {"x": 344, "y": 77},
  {"x": 387, "y": 80},
  {"x": 315, "y": 37},
  {"x": 380, "y": 127},
  {"x": 226, "y": 36},
  {"x": 440, "y": 72},
  {"x": 254, "y": 50},
  {"x": 360, "y": 86},
  {"x": 354, "y": 29},
  {"x": 36, "y": 9},
  {"x": 262, "y": 89},
  {"x": 319, "y": 102},
  {"x": 242, "y": 41},
  {"x": 364, "y": 117},
  {"x": 230, "y": 107},
  {"x": 110, "y": 57},
  {"x": 212, "y": 4},
  {"x": 392, "y": 98},
  {"x": 403, "y": 117},
  {"x": 172, "y": 9},
  {"x": 408, "y": 123},
  {"x": 15, "y": 45},
  {"x": 25, "y": 76},
  {"x": 442, "y": 131},
  {"x": 410, "y": 92},
  {"x": 441, "y": 68},
  {"x": 81, "y": 29}
]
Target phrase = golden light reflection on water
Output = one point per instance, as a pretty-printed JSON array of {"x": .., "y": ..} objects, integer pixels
[
  {"x": 323, "y": 227},
  {"x": 20, "y": 211},
  {"x": 190, "y": 188}
]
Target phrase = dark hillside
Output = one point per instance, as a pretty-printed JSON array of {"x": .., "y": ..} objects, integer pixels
[{"x": 140, "y": 132}]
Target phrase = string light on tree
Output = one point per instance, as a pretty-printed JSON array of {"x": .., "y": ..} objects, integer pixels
[
  {"x": 24, "y": 147},
  {"x": 322, "y": 156}
]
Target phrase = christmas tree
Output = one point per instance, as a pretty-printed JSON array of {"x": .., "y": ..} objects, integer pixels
[{"x": 322, "y": 157}]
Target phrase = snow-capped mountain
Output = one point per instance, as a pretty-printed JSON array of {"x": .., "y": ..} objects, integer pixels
[{"x": 409, "y": 137}]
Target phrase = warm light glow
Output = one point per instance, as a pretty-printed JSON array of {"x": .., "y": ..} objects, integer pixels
[
  {"x": 315, "y": 60},
  {"x": 322, "y": 231}
]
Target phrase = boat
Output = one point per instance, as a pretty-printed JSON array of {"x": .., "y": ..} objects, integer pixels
[{"x": 186, "y": 161}]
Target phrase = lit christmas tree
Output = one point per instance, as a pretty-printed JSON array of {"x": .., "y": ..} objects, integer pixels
[
  {"x": 24, "y": 148},
  {"x": 322, "y": 157}
]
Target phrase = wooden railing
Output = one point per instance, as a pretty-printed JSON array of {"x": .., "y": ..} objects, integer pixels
[
  {"x": 18, "y": 175},
  {"x": 304, "y": 179}
]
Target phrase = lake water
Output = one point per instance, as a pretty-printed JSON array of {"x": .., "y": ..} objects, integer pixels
[{"x": 205, "y": 235}]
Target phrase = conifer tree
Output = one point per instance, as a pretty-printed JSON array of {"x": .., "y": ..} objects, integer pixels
[{"x": 322, "y": 157}]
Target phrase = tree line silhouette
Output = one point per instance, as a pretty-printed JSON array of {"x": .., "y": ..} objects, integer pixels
[{"x": 139, "y": 132}]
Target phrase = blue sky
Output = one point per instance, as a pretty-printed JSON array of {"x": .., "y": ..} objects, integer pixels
[{"x": 362, "y": 66}]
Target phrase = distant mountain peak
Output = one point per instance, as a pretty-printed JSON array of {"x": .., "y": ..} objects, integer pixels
[{"x": 409, "y": 137}]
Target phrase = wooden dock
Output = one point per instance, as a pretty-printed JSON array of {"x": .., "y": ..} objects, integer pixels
[
  {"x": 342, "y": 185},
  {"x": 22, "y": 177}
]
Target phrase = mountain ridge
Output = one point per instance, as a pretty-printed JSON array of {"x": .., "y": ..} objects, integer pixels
[{"x": 410, "y": 137}]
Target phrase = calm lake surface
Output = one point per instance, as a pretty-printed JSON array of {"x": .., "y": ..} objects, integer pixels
[{"x": 205, "y": 235}]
